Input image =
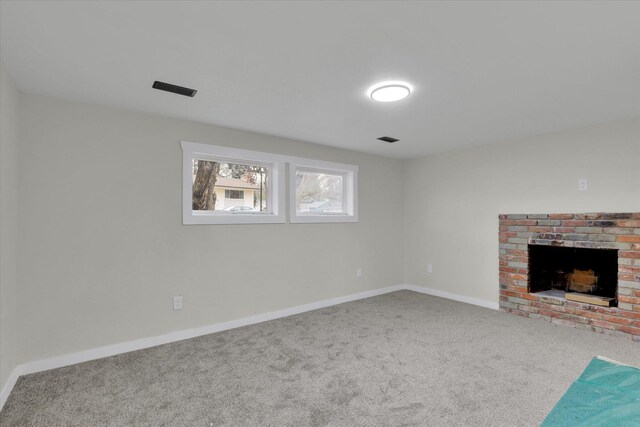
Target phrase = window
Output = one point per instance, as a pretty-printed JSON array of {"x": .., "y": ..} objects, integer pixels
[
  {"x": 233, "y": 194},
  {"x": 223, "y": 185},
  {"x": 322, "y": 191}
]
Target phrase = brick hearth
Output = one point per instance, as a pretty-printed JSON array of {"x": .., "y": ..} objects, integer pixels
[{"x": 619, "y": 231}]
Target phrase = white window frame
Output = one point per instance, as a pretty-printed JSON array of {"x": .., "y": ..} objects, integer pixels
[
  {"x": 350, "y": 189},
  {"x": 276, "y": 164}
]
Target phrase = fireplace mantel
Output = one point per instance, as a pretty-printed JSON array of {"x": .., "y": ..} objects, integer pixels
[{"x": 613, "y": 231}]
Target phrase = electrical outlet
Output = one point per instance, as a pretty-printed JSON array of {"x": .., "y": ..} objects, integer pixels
[
  {"x": 583, "y": 184},
  {"x": 177, "y": 302},
  {"x": 429, "y": 268},
  {"x": 358, "y": 272}
]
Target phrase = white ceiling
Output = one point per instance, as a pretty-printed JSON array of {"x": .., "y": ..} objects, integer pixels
[{"x": 482, "y": 71}]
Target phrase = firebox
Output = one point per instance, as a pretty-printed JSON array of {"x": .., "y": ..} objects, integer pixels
[{"x": 583, "y": 270}]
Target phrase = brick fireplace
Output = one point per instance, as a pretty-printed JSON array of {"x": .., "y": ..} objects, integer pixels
[{"x": 548, "y": 259}]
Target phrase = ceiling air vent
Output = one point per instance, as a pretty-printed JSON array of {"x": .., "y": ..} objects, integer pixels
[
  {"x": 168, "y": 87},
  {"x": 388, "y": 139}
]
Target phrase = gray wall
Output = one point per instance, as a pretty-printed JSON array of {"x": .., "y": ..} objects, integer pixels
[
  {"x": 453, "y": 199},
  {"x": 102, "y": 248},
  {"x": 9, "y": 99}
]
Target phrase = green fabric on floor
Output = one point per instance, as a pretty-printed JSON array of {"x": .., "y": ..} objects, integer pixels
[{"x": 606, "y": 394}]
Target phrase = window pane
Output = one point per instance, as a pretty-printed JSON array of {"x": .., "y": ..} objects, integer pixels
[
  {"x": 319, "y": 193},
  {"x": 233, "y": 194},
  {"x": 230, "y": 187}
]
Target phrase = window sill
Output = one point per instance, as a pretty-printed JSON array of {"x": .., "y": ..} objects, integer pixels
[
  {"x": 319, "y": 219},
  {"x": 200, "y": 218}
]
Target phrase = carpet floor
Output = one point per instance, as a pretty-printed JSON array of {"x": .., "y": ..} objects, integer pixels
[{"x": 397, "y": 359}]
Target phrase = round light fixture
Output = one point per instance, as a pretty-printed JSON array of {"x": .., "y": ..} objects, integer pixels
[{"x": 389, "y": 91}]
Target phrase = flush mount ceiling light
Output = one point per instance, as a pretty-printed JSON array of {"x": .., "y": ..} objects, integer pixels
[{"x": 389, "y": 91}]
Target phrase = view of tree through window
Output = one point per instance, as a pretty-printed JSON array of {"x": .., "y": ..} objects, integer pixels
[
  {"x": 229, "y": 187},
  {"x": 319, "y": 193}
]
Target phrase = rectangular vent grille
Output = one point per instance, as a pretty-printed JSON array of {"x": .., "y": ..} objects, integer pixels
[
  {"x": 174, "y": 89},
  {"x": 388, "y": 139}
]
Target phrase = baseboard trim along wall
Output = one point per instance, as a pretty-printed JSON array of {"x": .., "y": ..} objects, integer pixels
[
  {"x": 139, "y": 344},
  {"x": 6, "y": 389},
  {"x": 455, "y": 297}
]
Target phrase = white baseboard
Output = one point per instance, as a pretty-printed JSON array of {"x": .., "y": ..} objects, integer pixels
[
  {"x": 8, "y": 386},
  {"x": 139, "y": 344},
  {"x": 455, "y": 297}
]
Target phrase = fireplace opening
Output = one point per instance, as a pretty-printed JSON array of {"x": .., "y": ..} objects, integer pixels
[{"x": 560, "y": 271}]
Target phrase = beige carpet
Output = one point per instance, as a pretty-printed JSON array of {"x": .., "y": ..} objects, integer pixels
[{"x": 397, "y": 359}]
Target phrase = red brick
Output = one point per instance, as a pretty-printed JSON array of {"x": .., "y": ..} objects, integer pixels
[
  {"x": 553, "y": 314},
  {"x": 629, "y": 239},
  {"x": 590, "y": 215},
  {"x": 605, "y": 310},
  {"x": 512, "y": 276},
  {"x": 508, "y": 234},
  {"x": 605, "y": 325},
  {"x": 629, "y": 223},
  {"x": 630, "y": 300},
  {"x": 617, "y": 320},
  {"x": 560, "y": 216},
  {"x": 583, "y": 313},
  {"x": 630, "y": 314},
  {"x": 514, "y": 288},
  {"x": 629, "y": 330},
  {"x": 629, "y": 254},
  {"x": 516, "y": 252},
  {"x": 518, "y": 222},
  {"x": 564, "y": 229}
]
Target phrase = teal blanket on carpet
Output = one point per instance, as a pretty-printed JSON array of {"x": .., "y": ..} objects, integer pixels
[{"x": 606, "y": 394}]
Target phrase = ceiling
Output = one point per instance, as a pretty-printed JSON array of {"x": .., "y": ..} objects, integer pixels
[{"x": 482, "y": 71}]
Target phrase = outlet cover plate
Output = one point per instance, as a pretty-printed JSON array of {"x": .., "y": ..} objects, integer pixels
[{"x": 177, "y": 302}]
